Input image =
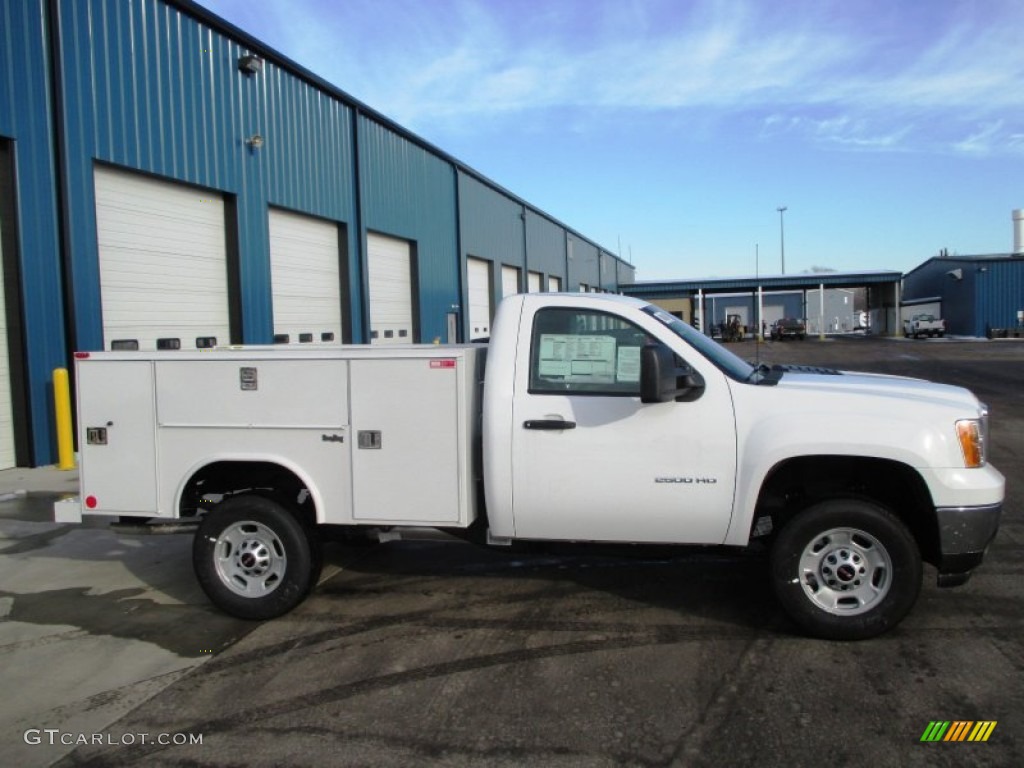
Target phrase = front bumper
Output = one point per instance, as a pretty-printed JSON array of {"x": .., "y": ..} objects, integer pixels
[{"x": 964, "y": 535}]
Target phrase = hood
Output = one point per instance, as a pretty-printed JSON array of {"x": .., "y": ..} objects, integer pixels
[{"x": 851, "y": 383}]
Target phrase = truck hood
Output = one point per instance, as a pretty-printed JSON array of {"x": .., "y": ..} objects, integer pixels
[{"x": 852, "y": 383}]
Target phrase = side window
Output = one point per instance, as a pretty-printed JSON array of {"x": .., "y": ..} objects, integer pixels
[{"x": 580, "y": 351}]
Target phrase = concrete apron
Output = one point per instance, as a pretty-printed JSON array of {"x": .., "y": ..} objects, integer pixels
[{"x": 92, "y": 623}]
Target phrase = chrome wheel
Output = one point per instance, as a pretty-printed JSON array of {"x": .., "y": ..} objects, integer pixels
[
  {"x": 845, "y": 571},
  {"x": 250, "y": 559}
]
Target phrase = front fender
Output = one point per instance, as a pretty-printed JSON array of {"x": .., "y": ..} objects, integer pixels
[{"x": 770, "y": 440}]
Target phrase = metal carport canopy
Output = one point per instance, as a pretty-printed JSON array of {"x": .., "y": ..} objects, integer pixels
[{"x": 711, "y": 285}]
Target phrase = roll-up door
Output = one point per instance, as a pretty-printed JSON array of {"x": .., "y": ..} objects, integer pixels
[
  {"x": 479, "y": 272},
  {"x": 554, "y": 284},
  {"x": 163, "y": 262},
  {"x": 533, "y": 282},
  {"x": 390, "y": 274},
  {"x": 305, "y": 278},
  {"x": 509, "y": 281},
  {"x": 7, "y": 458}
]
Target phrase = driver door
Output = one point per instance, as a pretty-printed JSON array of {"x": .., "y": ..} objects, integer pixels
[{"x": 591, "y": 462}]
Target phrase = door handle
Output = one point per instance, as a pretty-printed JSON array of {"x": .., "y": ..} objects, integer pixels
[{"x": 549, "y": 424}]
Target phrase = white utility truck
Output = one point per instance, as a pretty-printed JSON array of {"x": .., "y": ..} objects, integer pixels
[{"x": 587, "y": 418}]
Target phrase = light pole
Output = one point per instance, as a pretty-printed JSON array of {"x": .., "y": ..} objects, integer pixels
[{"x": 782, "y": 236}]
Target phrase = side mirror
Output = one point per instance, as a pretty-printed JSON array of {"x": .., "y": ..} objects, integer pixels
[{"x": 662, "y": 381}]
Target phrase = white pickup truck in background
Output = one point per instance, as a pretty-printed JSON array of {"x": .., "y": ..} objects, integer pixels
[
  {"x": 587, "y": 418},
  {"x": 924, "y": 325}
]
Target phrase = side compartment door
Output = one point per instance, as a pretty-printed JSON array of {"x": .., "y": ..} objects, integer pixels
[
  {"x": 117, "y": 435},
  {"x": 591, "y": 462}
]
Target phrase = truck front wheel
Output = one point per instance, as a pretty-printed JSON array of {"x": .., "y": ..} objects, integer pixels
[
  {"x": 846, "y": 569},
  {"x": 253, "y": 558}
]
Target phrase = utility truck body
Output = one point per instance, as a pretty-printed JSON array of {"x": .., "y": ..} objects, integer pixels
[{"x": 587, "y": 418}]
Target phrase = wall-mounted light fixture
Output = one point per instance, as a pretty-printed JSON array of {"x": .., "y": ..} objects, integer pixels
[
  {"x": 250, "y": 64},
  {"x": 254, "y": 142}
]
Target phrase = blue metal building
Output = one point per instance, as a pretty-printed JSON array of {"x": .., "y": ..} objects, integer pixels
[
  {"x": 168, "y": 180},
  {"x": 975, "y": 294}
]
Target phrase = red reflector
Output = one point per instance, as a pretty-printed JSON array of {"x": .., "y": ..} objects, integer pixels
[
  {"x": 81, "y": 355},
  {"x": 442, "y": 363},
  {"x": 91, "y": 502}
]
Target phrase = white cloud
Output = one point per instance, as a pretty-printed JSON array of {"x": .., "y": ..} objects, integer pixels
[{"x": 891, "y": 74}]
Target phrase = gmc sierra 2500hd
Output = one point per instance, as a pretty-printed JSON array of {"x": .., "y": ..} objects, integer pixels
[{"x": 587, "y": 418}]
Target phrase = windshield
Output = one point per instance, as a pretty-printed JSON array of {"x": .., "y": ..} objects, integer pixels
[{"x": 730, "y": 364}]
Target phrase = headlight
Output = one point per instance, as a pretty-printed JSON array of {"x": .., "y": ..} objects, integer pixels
[{"x": 973, "y": 436}]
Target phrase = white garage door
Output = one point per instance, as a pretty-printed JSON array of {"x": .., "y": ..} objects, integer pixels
[
  {"x": 554, "y": 284},
  {"x": 390, "y": 273},
  {"x": 773, "y": 312},
  {"x": 533, "y": 278},
  {"x": 163, "y": 261},
  {"x": 479, "y": 298},
  {"x": 305, "y": 278},
  {"x": 6, "y": 410},
  {"x": 509, "y": 281}
]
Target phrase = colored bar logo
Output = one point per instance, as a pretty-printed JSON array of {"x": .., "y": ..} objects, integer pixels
[{"x": 958, "y": 730}]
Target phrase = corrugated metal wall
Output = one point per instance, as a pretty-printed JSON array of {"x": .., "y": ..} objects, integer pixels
[
  {"x": 609, "y": 273},
  {"x": 147, "y": 87},
  {"x": 25, "y": 93},
  {"x": 545, "y": 243},
  {"x": 999, "y": 292},
  {"x": 583, "y": 264},
  {"x": 625, "y": 273},
  {"x": 410, "y": 193},
  {"x": 491, "y": 224},
  {"x": 959, "y": 299},
  {"x": 491, "y": 227}
]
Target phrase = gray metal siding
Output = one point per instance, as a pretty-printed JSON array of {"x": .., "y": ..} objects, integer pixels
[
  {"x": 545, "y": 246},
  {"x": 409, "y": 193},
  {"x": 491, "y": 227},
  {"x": 491, "y": 224},
  {"x": 583, "y": 264},
  {"x": 25, "y": 93},
  {"x": 609, "y": 272},
  {"x": 626, "y": 274}
]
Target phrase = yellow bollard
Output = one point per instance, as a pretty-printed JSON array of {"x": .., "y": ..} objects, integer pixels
[{"x": 62, "y": 413}]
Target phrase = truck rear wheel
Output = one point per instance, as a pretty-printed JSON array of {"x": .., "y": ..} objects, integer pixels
[
  {"x": 846, "y": 569},
  {"x": 254, "y": 559}
]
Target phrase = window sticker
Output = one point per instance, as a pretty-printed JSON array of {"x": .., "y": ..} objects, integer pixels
[
  {"x": 577, "y": 359},
  {"x": 628, "y": 366}
]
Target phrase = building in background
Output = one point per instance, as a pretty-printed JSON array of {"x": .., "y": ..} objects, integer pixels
[
  {"x": 169, "y": 182},
  {"x": 973, "y": 294},
  {"x": 849, "y": 299}
]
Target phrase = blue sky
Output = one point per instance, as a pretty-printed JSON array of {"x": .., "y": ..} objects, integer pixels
[{"x": 670, "y": 131}]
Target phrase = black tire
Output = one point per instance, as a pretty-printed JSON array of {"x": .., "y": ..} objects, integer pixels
[
  {"x": 846, "y": 569},
  {"x": 254, "y": 558}
]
